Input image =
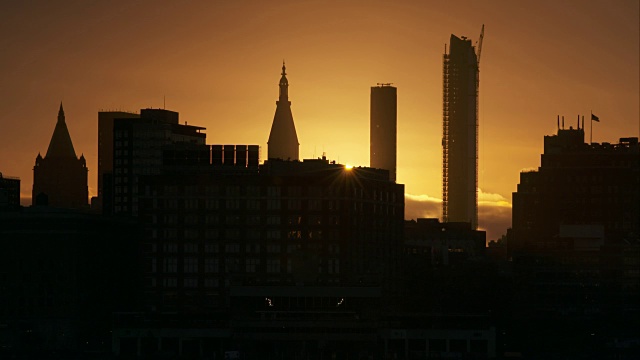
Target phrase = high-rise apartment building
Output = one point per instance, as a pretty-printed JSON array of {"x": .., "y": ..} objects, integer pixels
[
  {"x": 460, "y": 132},
  {"x": 137, "y": 150},
  {"x": 60, "y": 178},
  {"x": 383, "y": 128},
  {"x": 283, "y": 139}
]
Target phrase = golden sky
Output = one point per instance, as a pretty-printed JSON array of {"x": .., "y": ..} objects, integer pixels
[{"x": 218, "y": 64}]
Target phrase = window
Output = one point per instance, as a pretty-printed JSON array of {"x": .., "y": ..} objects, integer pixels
[
  {"x": 209, "y": 282},
  {"x": 253, "y": 204},
  {"x": 212, "y": 234},
  {"x": 170, "y": 282},
  {"x": 273, "y": 191},
  {"x": 273, "y": 204},
  {"x": 273, "y": 234},
  {"x": 170, "y": 265},
  {"x": 295, "y": 204},
  {"x": 233, "y": 204},
  {"x": 232, "y": 234},
  {"x": 232, "y": 248},
  {"x": 334, "y": 266},
  {"x": 211, "y": 204},
  {"x": 191, "y": 265},
  {"x": 252, "y": 264},
  {"x": 273, "y": 220},
  {"x": 273, "y": 248},
  {"x": 232, "y": 265},
  {"x": 273, "y": 266},
  {"x": 170, "y": 247},
  {"x": 190, "y": 234},
  {"x": 211, "y": 265},
  {"x": 190, "y": 247},
  {"x": 212, "y": 219},
  {"x": 210, "y": 248},
  {"x": 190, "y": 282}
]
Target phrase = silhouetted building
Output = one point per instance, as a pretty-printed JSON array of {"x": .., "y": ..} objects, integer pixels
[
  {"x": 9, "y": 193},
  {"x": 436, "y": 244},
  {"x": 576, "y": 234},
  {"x": 60, "y": 178},
  {"x": 460, "y": 132},
  {"x": 283, "y": 139},
  {"x": 105, "y": 146},
  {"x": 383, "y": 128},
  {"x": 137, "y": 150},
  {"x": 578, "y": 184},
  {"x": 310, "y": 222},
  {"x": 62, "y": 274}
]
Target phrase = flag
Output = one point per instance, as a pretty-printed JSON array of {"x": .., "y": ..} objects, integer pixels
[{"x": 594, "y": 118}]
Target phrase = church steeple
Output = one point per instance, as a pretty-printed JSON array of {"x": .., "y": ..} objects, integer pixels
[
  {"x": 60, "y": 144},
  {"x": 283, "y": 139}
]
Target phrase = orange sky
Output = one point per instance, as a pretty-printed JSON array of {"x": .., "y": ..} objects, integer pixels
[{"x": 218, "y": 64}]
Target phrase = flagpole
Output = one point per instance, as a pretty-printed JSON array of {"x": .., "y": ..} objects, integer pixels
[{"x": 591, "y": 132}]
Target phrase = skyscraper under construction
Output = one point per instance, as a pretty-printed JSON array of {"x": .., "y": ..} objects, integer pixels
[{"x": 460, "y": 131}]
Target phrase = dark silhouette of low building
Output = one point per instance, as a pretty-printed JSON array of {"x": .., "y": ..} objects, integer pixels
[
  {"x": 383, "y": 128},
  {"x": 62, "y": 274},
  {"x": 9, "y": 193},
  {"x": 60, "y": 178},
  {"x": 442, "y": 244},
  {"x": 283, "y": 139}
]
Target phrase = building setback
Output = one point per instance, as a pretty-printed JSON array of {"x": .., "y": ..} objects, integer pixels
[
  {"x": 60, "y": 178},
  {"x": 283, "y": 139},
  {"x": 383, "y": 128},
  {"x": 460, "y": 132}
]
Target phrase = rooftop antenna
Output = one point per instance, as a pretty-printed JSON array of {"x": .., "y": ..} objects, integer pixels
[
  {"x": 578, "y": 122},
  {"x": 562, "y": 122},
  {"x": 558, "y": 122}
]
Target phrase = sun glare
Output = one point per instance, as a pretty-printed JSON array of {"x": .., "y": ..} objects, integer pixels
[{"x": 348, "y": 167}]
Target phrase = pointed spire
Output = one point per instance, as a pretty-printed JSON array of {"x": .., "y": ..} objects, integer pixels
[
  {"x": 60, "y": 144},
  {"x": 283, "y": 139},
  {"x": 61, "y": 113}
]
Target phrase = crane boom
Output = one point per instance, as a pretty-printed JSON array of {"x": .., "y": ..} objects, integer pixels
[{"x": 480, "y": 44}]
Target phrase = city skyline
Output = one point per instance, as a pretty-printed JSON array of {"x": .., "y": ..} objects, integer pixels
[{"x": 95, "y": 57}]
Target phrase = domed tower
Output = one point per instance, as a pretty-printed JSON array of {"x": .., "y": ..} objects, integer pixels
[
  {"x": 60, "y": 178},
  {"x": 283, "y": 139}
]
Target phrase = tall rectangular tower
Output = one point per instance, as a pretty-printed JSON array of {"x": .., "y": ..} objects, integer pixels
[
  {"x": 460, "y": 132},
  {"x": 383, "y": 128}
]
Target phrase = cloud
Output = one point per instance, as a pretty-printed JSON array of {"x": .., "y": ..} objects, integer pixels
[{"x": 494, "y": 211}]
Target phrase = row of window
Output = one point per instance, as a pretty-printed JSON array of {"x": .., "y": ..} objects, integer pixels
[{"x": 190, "y": 265}]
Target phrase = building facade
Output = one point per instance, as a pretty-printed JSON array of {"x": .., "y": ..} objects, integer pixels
[
  {"x": 60, "y": 178},
  {"x": 105, "y": 146},
  {"x": 383, "y": 128},
  {"x": 9, "y": 192},
  {"x": 460, "y": 132},
  {"x": 283, "y": 139},
  {"x": 137, "y": 150}
]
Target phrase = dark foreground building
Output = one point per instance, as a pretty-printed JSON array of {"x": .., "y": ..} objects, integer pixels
[
  {"x": 62, "y": 275},
  {"x": 575, "y": 244}
]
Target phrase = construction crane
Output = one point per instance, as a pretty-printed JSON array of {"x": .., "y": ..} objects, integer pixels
[{"x": 479, "y": 45}]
